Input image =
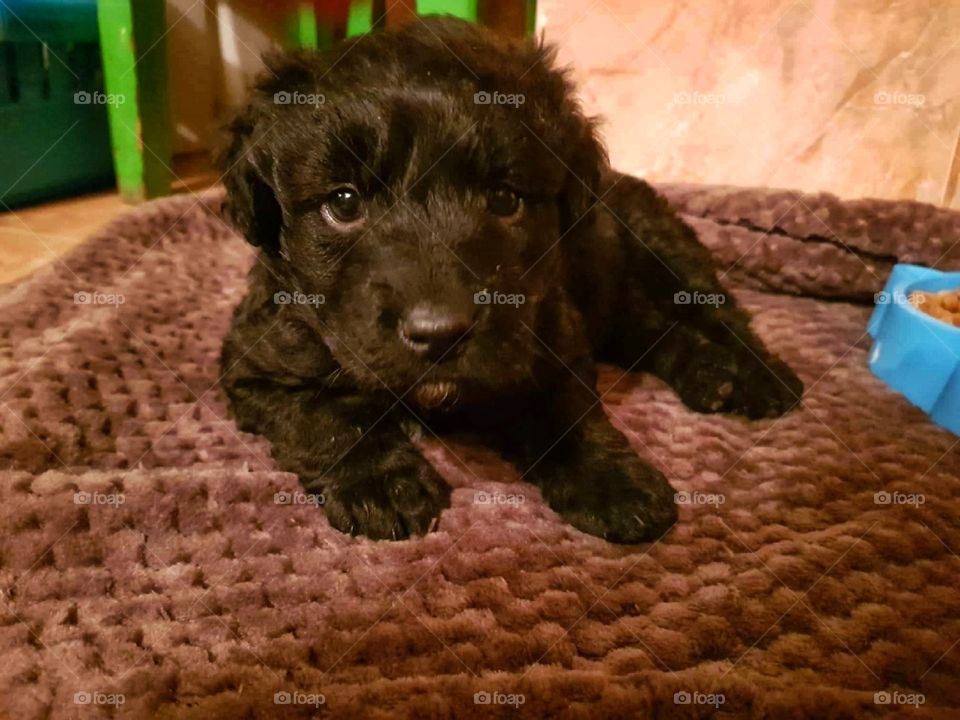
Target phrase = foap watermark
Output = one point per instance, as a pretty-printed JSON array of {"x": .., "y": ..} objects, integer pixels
[
  {"x": 498, "y": 98},
  {"x": 482, "y": 497},
  {"x": 699, "y": 98},
  {"x": 99, "y": 698},
  {"x": 498, "y": 698},
  {"x": 298, "y": 98},
  {"x": 698, "y": 698},
  {"x": 298, "y": 298},
  {"x": 896, "y": 97},
  {"x": 84, "y": 97},
  {"x": 695, "y": 497},
  {"x": 895, "y": 697},
  {"x": 98, "y": 498},
  {"x": 487, "y": 297},
  {"x": 898, "y": 498},
  {"x": 685, "y": 297},
  {"x": 298, "y": 697},
  {"x": 92, "y": 297},
  {"x": 897, "y": 298},
  {"x": 298, "y": 498}
]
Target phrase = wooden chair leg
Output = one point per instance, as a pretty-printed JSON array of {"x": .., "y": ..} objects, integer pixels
[
  {"x": 135, "y": 73},
  {"x": 400, "y": 11},
  {"x": 508, "y": 17}
]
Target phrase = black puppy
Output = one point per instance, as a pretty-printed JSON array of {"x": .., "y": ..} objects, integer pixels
[{"x": 442, "y": 241}]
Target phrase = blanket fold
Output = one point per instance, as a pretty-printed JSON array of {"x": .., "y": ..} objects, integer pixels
[{"x": 815, "y": 244}]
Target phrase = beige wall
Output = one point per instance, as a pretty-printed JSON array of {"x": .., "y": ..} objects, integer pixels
[{"x": 858, "y": 97}]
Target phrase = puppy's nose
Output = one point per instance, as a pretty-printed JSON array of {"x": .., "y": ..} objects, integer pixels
[{"x": 432, "y": 330}]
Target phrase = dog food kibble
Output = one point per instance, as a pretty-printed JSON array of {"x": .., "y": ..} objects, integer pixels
[{"x": 944, "y": 305}]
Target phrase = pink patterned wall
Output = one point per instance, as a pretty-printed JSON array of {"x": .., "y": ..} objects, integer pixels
[{"x": 857, "y": 97}]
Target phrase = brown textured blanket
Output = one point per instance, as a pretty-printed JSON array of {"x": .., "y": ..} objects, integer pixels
[{"x": 152, "y": 563}]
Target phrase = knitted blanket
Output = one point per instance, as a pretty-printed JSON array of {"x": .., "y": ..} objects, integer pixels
[{"x": 155, "y": 563}]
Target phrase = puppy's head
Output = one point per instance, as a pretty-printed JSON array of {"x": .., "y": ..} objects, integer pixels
[{"x": 423, "y": 182}]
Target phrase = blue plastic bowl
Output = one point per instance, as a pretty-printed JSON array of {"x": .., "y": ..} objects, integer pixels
[{"x": 913, "y": 353}]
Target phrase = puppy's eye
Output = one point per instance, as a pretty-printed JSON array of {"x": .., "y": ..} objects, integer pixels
[
  {"x": 503, "y": 201},
  {"x": 344, "y": 206}
]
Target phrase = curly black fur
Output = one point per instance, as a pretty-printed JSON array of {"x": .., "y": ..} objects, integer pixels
[{"x": 383, "y": 326}]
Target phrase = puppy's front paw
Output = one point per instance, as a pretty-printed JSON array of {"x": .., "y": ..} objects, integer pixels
[
  {"x": 754, "y": 384},
  {"x": 766, "y": 388},
  {"x": 400, "y": 497},
  {"x": 625, "y": 501}
]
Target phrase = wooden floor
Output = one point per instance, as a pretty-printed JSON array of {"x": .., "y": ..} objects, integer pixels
[{"x": 31, "y": 237}]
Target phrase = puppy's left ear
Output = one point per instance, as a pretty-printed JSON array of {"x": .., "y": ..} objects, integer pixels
[
  {"x": 586, "y": 161},
  {"x": 252, "y": 204},
  {"x": 564, "y": 129}
]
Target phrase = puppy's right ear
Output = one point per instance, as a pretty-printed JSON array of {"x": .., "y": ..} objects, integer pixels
[{"x": 252, "y": 205}]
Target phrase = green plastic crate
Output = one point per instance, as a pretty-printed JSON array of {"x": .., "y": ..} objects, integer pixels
[{"x": 53, "y": 113}]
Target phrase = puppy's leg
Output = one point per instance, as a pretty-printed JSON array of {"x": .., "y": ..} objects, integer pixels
[
  {"x": 587, "y": 471},
  {"x": 373, "y": 480},
  {"x": 677, "y": 317}
]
